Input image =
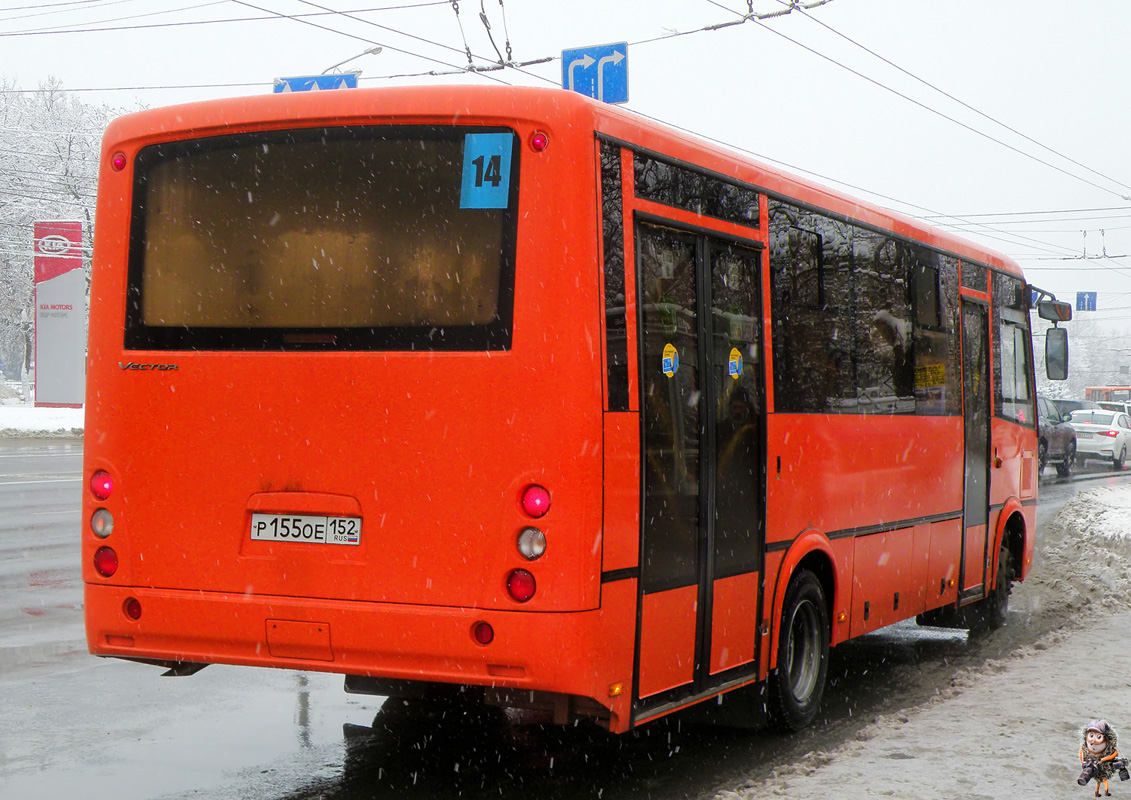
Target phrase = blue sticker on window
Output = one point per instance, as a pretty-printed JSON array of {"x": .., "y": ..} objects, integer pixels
[{"x": 486, "y": 170}]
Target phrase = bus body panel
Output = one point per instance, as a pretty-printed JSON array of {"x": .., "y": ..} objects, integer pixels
[
  {"x": 836, "y": 470},
  {"x": 381, "y": 639},
  {"x": 207, "y": 432}
]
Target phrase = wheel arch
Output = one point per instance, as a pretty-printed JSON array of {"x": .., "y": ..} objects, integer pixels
[
  {"x": 1015, "y": 534},
  {"x": 812, "y": 551}
]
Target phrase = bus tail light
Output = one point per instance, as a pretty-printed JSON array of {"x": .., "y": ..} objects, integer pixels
[
  {"x": 521, "y": 585},
  {"x": 539, "y": 141},
  {"x": 132, "y": 608},
  {"x": 118, "y": 161},
  {"x": 535, "y": 501},
  {"x": 531, "y": 543},
  {"x": 102, "y": 523},
  {"x": 105, "y": 561},
  {"x": 101, "y": 484},
  {"x": 483, "y": 633}
]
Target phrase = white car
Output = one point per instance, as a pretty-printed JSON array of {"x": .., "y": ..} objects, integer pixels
[{"x": 1101, "y": 434}]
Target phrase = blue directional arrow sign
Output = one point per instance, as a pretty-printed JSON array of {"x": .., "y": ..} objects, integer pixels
[
  {"x": 600, "y": 72},
  {"x": 315, "y": 83},
  {"x": 1086, "y": 301}
]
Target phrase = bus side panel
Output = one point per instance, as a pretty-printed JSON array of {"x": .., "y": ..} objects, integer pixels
[
  {"x": 832, "y": 472},
  {"x": 881, "y": 580},
  {"x": 942, "y": 574},
  {"x": 823, "y": 474},
  {"x": 621, "y": 542},
  {"x": 667, "y": 637},
  {"x": 734, "y": 627}
]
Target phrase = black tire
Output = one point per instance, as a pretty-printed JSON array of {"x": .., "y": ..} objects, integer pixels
[
  {"x": 1064, "y": 468},
  {"x": 1042, "y": 457},
  {"x": 798, "y": 684},
  {"x": 990, "y": 613},
  {"x": 1118, "y": 461}
]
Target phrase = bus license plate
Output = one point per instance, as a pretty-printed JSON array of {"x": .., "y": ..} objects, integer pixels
[{"x": 304, "y": 528}]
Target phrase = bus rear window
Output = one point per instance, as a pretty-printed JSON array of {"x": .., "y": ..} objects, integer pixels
[{"x": 372, "y": 238}]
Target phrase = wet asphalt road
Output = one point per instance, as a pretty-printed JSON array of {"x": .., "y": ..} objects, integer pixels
[{"x": 76, "y": 726}]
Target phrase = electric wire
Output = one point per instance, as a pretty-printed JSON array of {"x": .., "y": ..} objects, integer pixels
[
  {"x": 926, "y": 107},
  {"x": 960, "y": 102}
]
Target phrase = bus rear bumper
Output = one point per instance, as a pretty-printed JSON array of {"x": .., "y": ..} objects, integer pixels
[{"x": 583, "y": 654}]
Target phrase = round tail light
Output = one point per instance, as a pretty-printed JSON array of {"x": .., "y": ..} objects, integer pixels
[
  {"x": 535, "y": 501},
  {"x": 101, "y": 484},
  {"x": 521, "y": 585},
  {"x": 102, "y": 523},
  {"x": 105, "y": 561},
  {"x": 132, "y": 607},
  {"x": 483, "y": 633},
  {"x": 531, "y": 543}
]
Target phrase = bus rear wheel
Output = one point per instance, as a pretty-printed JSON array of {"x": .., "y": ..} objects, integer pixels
[
  {"x": 990, "y": 614},
  {"x": 798, "y": 683}
]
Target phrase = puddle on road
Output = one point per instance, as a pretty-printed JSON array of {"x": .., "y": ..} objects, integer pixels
[{"x": 95, "y": 728}]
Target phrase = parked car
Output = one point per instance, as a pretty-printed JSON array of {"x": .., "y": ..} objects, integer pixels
[
  {"x": 1056, "y": 439},
  {"x": 1101, "y": 434},
  {"x": 1066, "y": 407}
]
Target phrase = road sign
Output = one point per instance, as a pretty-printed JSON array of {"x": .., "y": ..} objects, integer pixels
[
  {"x": 315, "y": 83},
  {"x": 1086, "y": 301},
  {"x": 600, "y": 72}
]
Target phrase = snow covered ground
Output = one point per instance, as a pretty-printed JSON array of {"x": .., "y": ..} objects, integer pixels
[
  {"x": 24, "y": 420},
  {"x": 1011, "y": 727}
]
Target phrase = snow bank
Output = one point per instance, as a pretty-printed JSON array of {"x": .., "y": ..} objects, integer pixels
[{"x": 21, "y": 420}]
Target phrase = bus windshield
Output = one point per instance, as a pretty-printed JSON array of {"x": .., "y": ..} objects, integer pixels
[{"x": 360, "y": 237}]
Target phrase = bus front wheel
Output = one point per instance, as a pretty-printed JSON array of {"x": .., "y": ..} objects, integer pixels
[{"x": 798, "y": 683}]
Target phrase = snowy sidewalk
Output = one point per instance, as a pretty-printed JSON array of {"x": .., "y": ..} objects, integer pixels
[
  {"x": 27, "y": 421},
  {"x": 1011, "y": 729}
]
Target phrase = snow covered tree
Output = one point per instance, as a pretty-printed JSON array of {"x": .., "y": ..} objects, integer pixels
[{"x": 49, "y": 149}]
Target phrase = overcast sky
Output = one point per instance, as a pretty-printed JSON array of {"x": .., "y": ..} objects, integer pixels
[{"x": 1028, "y": 151}]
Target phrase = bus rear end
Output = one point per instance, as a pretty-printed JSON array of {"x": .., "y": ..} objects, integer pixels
[{"x": 344, "y": 405}]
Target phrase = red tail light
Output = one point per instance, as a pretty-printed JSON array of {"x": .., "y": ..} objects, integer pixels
[
  {"x": 105, "y": 561},
  {"x": 1112, "y": 434},
  {"x": 520, "y": 585},
  {"x": 535, "y": 500},
  {"x": 101, "y": 484},
  {"x": 132, "y": 608},
  {"x": 483, "y": 633}
]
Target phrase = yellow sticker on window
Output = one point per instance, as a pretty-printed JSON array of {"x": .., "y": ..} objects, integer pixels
[
  {"x": 734, "y": 364},
  {"x": 671, "y": 359}
]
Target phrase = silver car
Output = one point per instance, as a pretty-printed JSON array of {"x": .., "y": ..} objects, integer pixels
[{"x": 1101, "y": 434}]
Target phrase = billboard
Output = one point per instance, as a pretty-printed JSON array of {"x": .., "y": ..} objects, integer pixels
[{"x": 60, "y": 315}]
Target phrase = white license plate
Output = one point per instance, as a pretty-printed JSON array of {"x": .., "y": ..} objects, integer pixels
[{"x": 305, "y": 528}]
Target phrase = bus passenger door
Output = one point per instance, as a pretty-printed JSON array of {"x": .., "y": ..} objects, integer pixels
[
  {"x": 702, "y": 527},
  {"x": 976, "y": 414}
]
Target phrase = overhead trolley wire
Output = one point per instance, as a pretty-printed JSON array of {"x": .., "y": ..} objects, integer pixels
[
  {"x": 924, "y": 106},
  {"x": 962, "y": 103}
]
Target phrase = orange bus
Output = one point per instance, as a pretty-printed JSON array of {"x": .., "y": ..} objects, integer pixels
[
  {"x": 1108, "y": 393},
  {"x": 507, "y": 390}
]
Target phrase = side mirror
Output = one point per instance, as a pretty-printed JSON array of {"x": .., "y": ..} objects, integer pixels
[
  {"x": 1054, "y": 310},
  {"x": 1056, "y": 353}
]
